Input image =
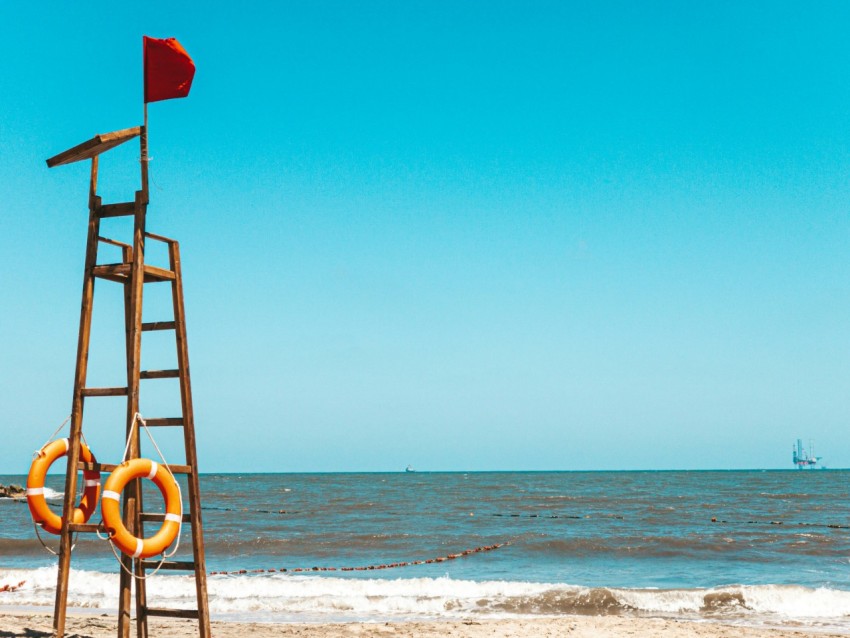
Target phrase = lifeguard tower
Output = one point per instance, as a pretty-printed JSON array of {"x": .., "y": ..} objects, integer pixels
[{"x": 133, "y": 274}]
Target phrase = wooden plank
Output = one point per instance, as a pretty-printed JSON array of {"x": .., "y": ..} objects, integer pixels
[
  {"x": 158, "y": 325},
  {"x": 171, "y": 613},
  {"x": 94, "y": 147},
  {"x": 96, "y": 467},
  {"x": 159, "y": 421},
  {"x": 114, "y": 242},
  {"x": 159, "y": 374},
  {"x": 108, "y": 467},
  {"x": 123, "y": 209},
  {"x": 160, "y": 238},
  {"x": 153, "y": 517},
  {"x": 172, "y": 565},
  {"x": 113, "y": 272},
  {"x": 86, "y": 527},
  {"x": 180, "y": 469},
  {"x": 104, "y": 392},
  {"x": 152, "y": 273}
]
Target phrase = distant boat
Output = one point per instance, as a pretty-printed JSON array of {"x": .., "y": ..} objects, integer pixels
[
  {"x": 805, "y": 460},
  {"x": 409, "y": 468}
]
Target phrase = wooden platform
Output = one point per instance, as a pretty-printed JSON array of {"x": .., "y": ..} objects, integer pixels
[{"x": 95, "y": 146}]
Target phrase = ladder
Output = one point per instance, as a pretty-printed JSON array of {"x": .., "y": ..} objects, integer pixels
[{"x": 133, "y": 273}]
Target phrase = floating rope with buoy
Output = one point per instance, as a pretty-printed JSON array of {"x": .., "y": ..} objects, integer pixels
[
  {"x": 574, "y": 517},
  {"x": 11, "y": 588},
  {"x": 714, "y": 519},
  {"x": 439, "y": 559}
]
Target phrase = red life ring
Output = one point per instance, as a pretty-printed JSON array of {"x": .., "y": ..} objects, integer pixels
[
  {"x": 109, "y": 506},
  {"x": 41, "y": 513}
]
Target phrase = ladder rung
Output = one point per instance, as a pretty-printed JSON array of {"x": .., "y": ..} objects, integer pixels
[
  {"x": 179, "y": 469},
  {"x": 86, "y": 527},
  {"x": 121, "y": 273},
  {"x": 117, "y": 210},
  {"x": 104, "y": 392},
  {"x": 152, "y": 273},
  {"x": 96, "y": 467},
  {"x": 175, "y": 565},
  {"x": 159, "y": 325},
  {"x": 108, "y": 467},
  {"x": 153, "y": 517},
  {"x": 166, "y": 421},
  {"x": 171, "y": 613},
  {"x": 159, "y": 374}
]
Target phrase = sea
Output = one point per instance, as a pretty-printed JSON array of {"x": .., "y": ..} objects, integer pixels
[{"x": 758, "y": 548}]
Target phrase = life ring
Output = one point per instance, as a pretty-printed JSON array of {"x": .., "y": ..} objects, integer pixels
[
  {"x": 109, "y": 506},
  {"x": 41, "y": 513}
]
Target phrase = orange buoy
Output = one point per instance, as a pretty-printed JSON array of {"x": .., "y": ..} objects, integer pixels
[
  {"x": 41, "y": 513},
  {"x": 118, "y": 533}
]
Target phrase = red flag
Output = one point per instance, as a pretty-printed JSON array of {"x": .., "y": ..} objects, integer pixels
[{"x": 168, "y": 69}]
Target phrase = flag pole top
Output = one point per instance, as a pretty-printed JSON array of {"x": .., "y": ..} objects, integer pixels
[{"x": 94, "y": 147}]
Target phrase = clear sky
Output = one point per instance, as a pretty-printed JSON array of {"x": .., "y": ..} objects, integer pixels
[{"x": 457, "y": 235}]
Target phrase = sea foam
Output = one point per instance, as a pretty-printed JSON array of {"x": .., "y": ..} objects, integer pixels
[{"x": 289, "y": 598}]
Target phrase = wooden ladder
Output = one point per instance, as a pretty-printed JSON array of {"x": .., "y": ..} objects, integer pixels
[{"x": 133, "y": 273}]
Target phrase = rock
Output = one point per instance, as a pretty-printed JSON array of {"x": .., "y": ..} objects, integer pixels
[{"x": 12, "y": 491}]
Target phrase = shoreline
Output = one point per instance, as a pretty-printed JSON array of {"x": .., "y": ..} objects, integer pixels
[{"x": 25, "y": 624}]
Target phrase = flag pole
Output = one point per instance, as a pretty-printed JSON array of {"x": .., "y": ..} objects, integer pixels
[{"x": 145, "y": 159}]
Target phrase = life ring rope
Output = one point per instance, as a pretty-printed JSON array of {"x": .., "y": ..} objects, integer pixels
[
  {"x": 41, "y": 513},
  {"x": 50, "y": 439},
  {"x": 172, "y": 527}
]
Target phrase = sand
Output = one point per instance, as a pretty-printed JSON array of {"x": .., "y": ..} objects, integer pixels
[{"x": 38, "y": 625}]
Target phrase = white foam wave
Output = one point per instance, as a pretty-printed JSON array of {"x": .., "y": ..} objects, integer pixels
[
  {"x": 786, "y": 601},
  {"x": 49, "y": 494},
  {"x": 52, "y": 495},
  {"x": 288, "y": 597}
]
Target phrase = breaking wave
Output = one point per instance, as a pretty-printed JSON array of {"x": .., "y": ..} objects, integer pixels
[{"x": 287, "y": 597}]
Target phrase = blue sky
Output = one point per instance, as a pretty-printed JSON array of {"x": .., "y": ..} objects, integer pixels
[{"x": 462, "y": 236}]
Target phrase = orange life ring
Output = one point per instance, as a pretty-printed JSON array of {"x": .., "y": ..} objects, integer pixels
[
  {"x": 41, "y": 513},
  {"x": 109, "y": 506}
]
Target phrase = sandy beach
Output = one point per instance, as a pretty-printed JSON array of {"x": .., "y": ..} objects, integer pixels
[{"x": 32, "y": 625}]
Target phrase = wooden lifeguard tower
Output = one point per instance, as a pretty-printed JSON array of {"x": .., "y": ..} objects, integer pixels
[{"x": 133, "y": 274}]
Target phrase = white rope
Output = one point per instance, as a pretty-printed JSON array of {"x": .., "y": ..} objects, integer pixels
[
  {"x": 36, "y": 454},
  {"x": 50, "y": 440},
  {"x": 138, "y": 418},
  {"x": 127, "y": 571},
  {"x": 176, "y": 482},
  {"x": 44, "y": 545},
  {"x": 130, "y": 436}
]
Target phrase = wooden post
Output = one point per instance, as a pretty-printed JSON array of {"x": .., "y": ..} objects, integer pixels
[
  {"x": 77, "y": 405},
  {"x": 134, "y": 340},
  {"x": 198, "y": 553}
]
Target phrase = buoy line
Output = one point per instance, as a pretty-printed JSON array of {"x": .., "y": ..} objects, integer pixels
[
  {"x": 439, "y": 559},
  {"x": 10, "y": 588},
  {"x": 246, "y": 509},
  {"x": 714, "y": 519},
  {"x": 497, "y": 514}
]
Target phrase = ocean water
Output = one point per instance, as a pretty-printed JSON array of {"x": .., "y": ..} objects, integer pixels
[{"x": 753, "y": 547}]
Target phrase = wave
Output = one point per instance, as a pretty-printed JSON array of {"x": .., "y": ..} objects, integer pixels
[
  {"x": 49, "y": 494},
  {"x": 286, "y": 597}
]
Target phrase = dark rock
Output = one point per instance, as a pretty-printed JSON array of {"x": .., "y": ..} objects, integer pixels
[{"x": 12, "y": 491}]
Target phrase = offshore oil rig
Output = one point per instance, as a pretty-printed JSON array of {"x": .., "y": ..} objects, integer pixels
[{"x": 805, "y": 460}]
